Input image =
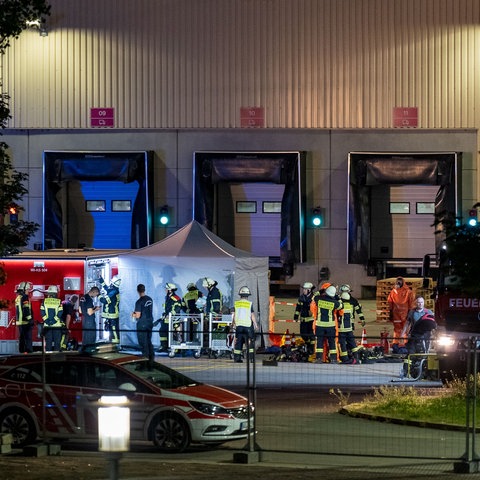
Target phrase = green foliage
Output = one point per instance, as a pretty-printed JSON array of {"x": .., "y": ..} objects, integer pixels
[
  {"x": 14, "y": 15},
  {"x": 445, "y": 406}
]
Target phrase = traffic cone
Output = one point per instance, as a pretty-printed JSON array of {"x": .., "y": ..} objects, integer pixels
[
  {"x": 287, "y": 339},
  {"x": 364, "y": 338}
]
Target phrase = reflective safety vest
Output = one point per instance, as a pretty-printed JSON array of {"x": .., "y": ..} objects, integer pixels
[
  {"x": 326, "y": 309},
  {"x": 51, "y": 310},
  {"x": 214, "y": 301},
  {"x": 243, "y": 313},
  {"x": 346, "y": 321},
  {"x": 111, "y": 303},
  {"x": 302, "y": 309},
  {"x": 23, "y": 309}
]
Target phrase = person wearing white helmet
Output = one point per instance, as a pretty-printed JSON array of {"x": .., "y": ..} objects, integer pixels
[
  {"x": 189, "y": 300},
  {"x": 173, "y": 306},
  {"x": 110, "y": 300},
  {"x": 214, "y": 297},
  {"x": 245, "y": 324},
  {"x": 190, "y": 307},
  {"x": 326, "y": 308},
  {"x": 349, "y": 349},
  {"x": 304, "y": 314},
  {"x": 51, "y": 311},
  {"x": 24, "y": 318}
]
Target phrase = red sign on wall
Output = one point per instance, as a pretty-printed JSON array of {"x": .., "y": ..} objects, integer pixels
[
  {"x": 405, "y": 117},
  {"x": 252, "y": 117},
  {"x": 102, "y": 117}
]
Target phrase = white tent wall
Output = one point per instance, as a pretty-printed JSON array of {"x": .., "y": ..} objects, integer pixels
[{"x": 189, "y": 255}]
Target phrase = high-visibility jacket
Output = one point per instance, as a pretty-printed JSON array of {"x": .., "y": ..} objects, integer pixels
[
  {"x": 302, "y": 308},
  {"x": 350, "y": 308},
  {"x": 243, "y": 313},
  {"x": 23, "y": 309},
  {"x": 214, "y": 301},
  {"x": 326, "y": 309},
  {"x": 173, "y": 305},
  {"x": 189, "y": 301},
  {"x": 52, "y": 310},
  {"x": 110, "y": 302}
]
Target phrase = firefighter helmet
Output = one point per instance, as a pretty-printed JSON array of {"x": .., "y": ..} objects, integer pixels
[
  {"x": 345, "y": 288},
  {"x": 52, "y": 290},
  {"x": 208, "y": 282},
  {"x": 345, "y": 296},
  {"x": 325, "y": 285},
  {"x": 170, "y": 286},
  {"x": 331, "y": 291},
  {"x": 116, "y": 281},
  {"x": 244, "y": 291},
  {"x": 24, "y": 287},
  {"x": 191, "y": 286},
  {"x": 308, "y": 285}
]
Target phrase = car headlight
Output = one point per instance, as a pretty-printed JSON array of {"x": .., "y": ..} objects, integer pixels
[
  {"x": 209, "y": 408},
  {"x": 445, "y": 341}
]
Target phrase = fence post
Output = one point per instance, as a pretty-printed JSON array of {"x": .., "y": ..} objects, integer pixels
[
  {"x": 470, "y": 461},
  {"x": 250, "y": 453}
]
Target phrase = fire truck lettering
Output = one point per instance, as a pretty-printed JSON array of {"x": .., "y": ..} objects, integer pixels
[{"x": 468, "y": 303}]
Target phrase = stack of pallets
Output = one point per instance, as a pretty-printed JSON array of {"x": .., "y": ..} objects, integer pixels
[{"x": 416, "y": 284}]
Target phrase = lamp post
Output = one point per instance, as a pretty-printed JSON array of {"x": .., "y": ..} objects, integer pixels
[{"x": 113, "y": 430}]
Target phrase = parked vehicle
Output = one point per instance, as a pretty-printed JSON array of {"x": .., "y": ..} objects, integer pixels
[{"x": 64, "y": 389}]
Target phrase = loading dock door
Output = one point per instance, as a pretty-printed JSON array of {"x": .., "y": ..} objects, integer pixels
[
  {"x": 367, "y": 170},
  {"x": 97, "y": 199},
  {"x": 211, "y": 169}
]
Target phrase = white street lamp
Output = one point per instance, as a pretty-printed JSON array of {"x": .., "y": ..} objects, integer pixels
[{"x": 114, "y": 430}]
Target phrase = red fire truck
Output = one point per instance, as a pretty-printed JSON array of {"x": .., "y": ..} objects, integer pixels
[{"x": 74, "y": 272}]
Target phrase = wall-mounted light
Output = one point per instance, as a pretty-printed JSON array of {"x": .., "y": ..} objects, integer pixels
[
  {"x": 39, "y": 25},
  {"x": 318, "y": 218},
  {"x": 164, "y": 215}
]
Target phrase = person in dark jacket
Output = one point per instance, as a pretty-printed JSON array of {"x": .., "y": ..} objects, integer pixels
[{"x": 143, "y": 313}]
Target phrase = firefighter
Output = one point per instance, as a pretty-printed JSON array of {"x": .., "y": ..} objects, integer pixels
[
  {"x": 245, "y": 324},
  {"x": 24, "y": 321},
  {"x": 190, "y": 307},
  {"x": 189, "y": 300},
  {"x": 172, "y": 305},
  {"x": 346, "y": 338},
  {"x": 325, "y": 310},
  {"x": 214, "y": 297},
  {"x": 51, "y": 310},
  {"x": 400, "y": 300},
  {"x": 304, "y": 314},
  {"x": 110, "y": 301}
]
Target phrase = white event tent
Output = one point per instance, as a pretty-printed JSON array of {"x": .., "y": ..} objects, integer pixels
[{"x": 189, "y": 255}]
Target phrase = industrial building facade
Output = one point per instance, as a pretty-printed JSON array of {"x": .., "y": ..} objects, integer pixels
[{"x": 327, "y": 81}]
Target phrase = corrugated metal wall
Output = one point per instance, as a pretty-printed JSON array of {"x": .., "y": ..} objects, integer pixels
[{"x": 195, "y": 63}]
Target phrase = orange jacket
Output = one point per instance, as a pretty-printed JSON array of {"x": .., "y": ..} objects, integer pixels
[{"x": 400, "y": 301}]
